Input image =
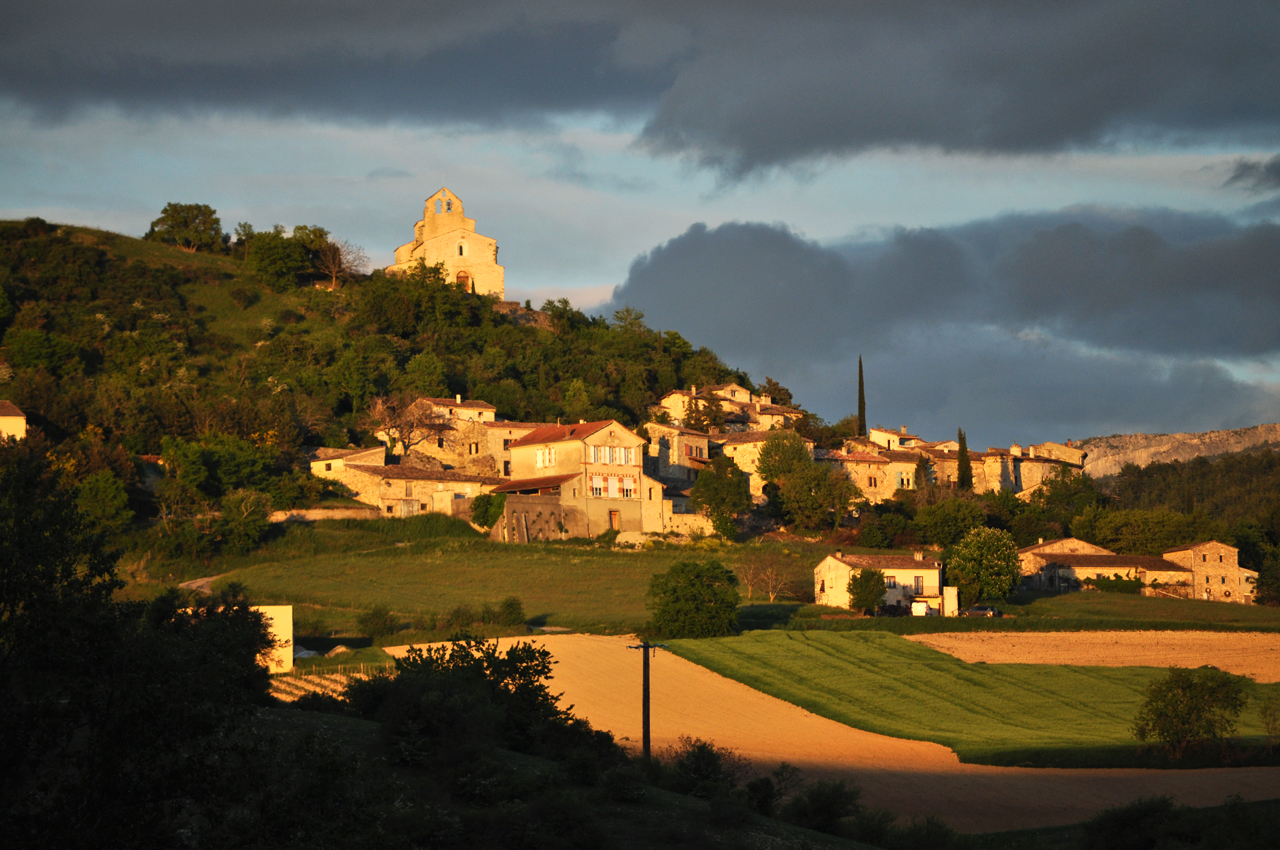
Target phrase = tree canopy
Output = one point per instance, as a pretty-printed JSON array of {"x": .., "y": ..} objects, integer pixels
[
  {"x": 694, "y": 599},
  {"x": 191, "y": 227},
  {"x": 984, "y": 565},
  {"x": 723, "y": 493}
]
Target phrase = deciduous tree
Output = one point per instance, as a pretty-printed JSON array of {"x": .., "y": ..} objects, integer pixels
[
  {"x": 722, "y": 492},
  {"x": 867, "y": 588},
  {"x": 408, "y": 422},
  {"x": 1187, "y": 708},
  {"x": 694, "y": 599},
  {"x": 191, "y": 227},
  {"x": 984, "y": 565}
]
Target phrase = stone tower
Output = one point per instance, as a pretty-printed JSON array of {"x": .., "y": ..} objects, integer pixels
[{"x": 446, "y": 235}]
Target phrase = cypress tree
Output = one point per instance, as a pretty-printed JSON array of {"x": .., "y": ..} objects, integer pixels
[
  {"x": 964, "y": 472},
  {"x": 862, "y": 403}
]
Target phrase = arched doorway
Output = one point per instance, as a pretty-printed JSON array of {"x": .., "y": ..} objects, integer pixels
[{"x": 465, "y": 282}]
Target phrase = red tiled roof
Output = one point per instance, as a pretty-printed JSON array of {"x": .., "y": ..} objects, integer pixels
[
  {"x": 518, "y": 425},
  {"x": 751, "y": 437},
  {"x": 8, "y": 408},
  {"x": 1034, "y": 547},
  {"x": 453, "y": 402},
  {"x": 326, "y": 453},
  {"x": 852, "y": 457},
  {"x": 536, "y": 483},
  {"x": 561, "y": 433},
  {"x": 901, "y": 456},
  {"x": 689, "y": 432}
]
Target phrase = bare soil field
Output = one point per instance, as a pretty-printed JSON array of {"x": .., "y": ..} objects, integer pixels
[
  {"x": 600, "y": 678},
  {"x": 1252, "y": 654}
]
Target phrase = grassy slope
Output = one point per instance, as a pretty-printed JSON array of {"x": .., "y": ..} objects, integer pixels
[
  {"x": 345, "y": 567},
  {"x": 991, "y": 714}
]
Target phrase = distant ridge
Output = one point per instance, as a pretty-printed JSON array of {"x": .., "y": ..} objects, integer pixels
[{"x": 1108, "y": 454}]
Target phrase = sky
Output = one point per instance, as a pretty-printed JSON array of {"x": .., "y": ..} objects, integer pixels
[{"x": 1032, "y": 221}]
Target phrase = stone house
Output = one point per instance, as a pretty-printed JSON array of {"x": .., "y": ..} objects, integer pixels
[
  {"x": 399, "y": 490},
  {"x": 913, "y": 582},
  {"x": 582, "y": 480},
  {"x": 13, "y": 422},
  {"x": 498, "y": 437},
  {"x": 1208, "y": 570},
  {"x": 743, "y": 409},
  {"x": 869, "y": 472},
  {"x": 676, "y": 455},
  {"x": 455, "y": 435},
  {"x": 1216, "y": 571},
  {"x": 886, "y": 439},
  {"x": 1033, "y": 560},
  {"x": 446, "y": 235}
]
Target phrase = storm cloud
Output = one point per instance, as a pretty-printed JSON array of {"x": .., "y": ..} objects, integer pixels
[
  {"x": 737, "y": 87},
  {"x": 1080, "y": 322}
]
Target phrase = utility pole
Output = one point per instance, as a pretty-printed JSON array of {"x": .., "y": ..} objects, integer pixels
[{"x": 645, "y": 648}]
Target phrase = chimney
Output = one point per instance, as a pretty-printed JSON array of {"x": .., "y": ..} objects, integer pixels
[
  {"x": 919, "y": 553},
  {"x": 1041, "y": 540},
  {"x": 693, "y": 389},
  {"x": 582, "y": 421},
  {"x": 904, "y": 429},
  {"x": 839, "y": 554},
  {"x": 458, "y": 398}
]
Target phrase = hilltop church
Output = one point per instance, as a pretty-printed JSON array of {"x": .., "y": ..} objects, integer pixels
[{"x": 446, "y": 235}]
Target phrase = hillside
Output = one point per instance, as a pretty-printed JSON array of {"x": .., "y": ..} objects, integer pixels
[{"x": 1108, "y": 454}]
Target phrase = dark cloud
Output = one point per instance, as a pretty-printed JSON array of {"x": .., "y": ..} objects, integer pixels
[
  {"x": 1092, "y": 321},
  {"x": 739, "y": 87},
  {"x": 1257, "y": 175}
]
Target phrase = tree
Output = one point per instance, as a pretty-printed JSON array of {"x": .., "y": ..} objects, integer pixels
[
  {"x": 923, "y": 475},
  {"x": 487, "y": 509},
  {"x": 947, "y": 522},
  {"x": 984, "y": 565},
  {"x": 694, "y": 599},
  {"x": 964, "y": 469},
  {"x": 277, "y": 260},
  {"x": 705, "y": 415},
  {"x": 1187, "y": 708},
  {"x": 782, "y": 452},
  {"x": 862, "y": 403},
  {"x": 191, "y": 227},
  {"x": 779, "y": 394},
  {"x": 722, "y": 493},
  {"x": 105, "y": 504},
  {"x": 867, "y": 588},
  {"x": 406, "y": 421},
  {"x": 340, "y": 260},
  {"x": 816, "y": 494},
  {"x": 629, "y": 319}
]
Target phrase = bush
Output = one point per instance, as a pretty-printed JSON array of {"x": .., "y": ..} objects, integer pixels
[
  {"x": 694, "y": 599},
  {"x": 511, "y": 612},
  {"x": 1187, "y": 708},
  {"x": 487, "y": 509},
  {"x": 822, "y": 805},
  {"x": 378, "y": 622},
  {"x": 701, "y": 768}
]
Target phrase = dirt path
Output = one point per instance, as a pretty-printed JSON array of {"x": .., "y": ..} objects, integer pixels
[
  {"x": 600, "y": 677},
  {"x": 1252, "y": 654},
  {"x": 203, "y": 585}
]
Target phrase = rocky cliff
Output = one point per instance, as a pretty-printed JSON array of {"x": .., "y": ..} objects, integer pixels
[{"x": 1108, "y": 454}]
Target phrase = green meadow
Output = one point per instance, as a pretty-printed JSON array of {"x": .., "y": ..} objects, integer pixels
[{"x": 1002, "y": 714}]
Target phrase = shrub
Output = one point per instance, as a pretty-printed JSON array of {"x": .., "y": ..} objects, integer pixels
[
  {"x": 487, "y": 509},
  {"x": 244, "y": 297},
  {"x": 694, "y": 599},
  {"x": 866, "y": 589},
  {"x": 461, "y": 616},
  {"x": 511, "y": 612},
  {"x": 378, "y": 622},
  {"x": 701, "y": 768},
  {"x": 822, "y": 805},
  {"x": 1186, "y": 708}
]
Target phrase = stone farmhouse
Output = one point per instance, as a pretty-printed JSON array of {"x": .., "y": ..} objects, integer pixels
[
  {"x": 885, "y": 462},
  {"x": 743, "y": 410},
  {"x": 446, "y": 235},
  {"x": 400, "y": 490},
  {"x": 581, "y": 481},
  {"x": 1208, "y": 570},
  {"x": 13, "y": 422},
  {"x": 913, "y": 582}
]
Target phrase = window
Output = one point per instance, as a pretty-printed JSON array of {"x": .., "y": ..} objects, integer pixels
[
  {"x": 459, "y": 250},
  {"x": 474, "y": 449},
  {"x": 871, "y": 481},
  {"x": 1204, "y": 558},
  {"x": 1219, "y": 559},
  {"x": 439, "y": 442},
  {"x": 388, "y": 509},
  {"x": 506, "y": 468},
  {"x": 408, "y": 489},
  {"x": 448, "y": 205},
  {"x": 891, "y": 582},
  {"x": 919, "y": 588},
  {"x": 1224, "y": 580},
  {"x": 822, "y": 586},
  {"x": 328, "y": 467},
  {"x": 629, "y": 490},
  {"x": 650, "y": 494},
  {"x": 540, "y": 458},
  {"x": 506, "y": 444},
  {"x": 688, "y": 450},
  {"x": 551, "y": 456},
  {"x": 597, "y": 485}
]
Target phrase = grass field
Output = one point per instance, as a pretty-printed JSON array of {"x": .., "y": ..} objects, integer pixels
[
  {"x": 1007, "y": 714},
  {"x": 431, "y": 564}
]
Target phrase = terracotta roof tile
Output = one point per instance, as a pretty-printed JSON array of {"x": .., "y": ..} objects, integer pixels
[
  {"x": 561, "y": 433},
  {"x": 8, "y": 408},
  {"x": 417, "y": 473},
  {"x": 535, "y": 483}
]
